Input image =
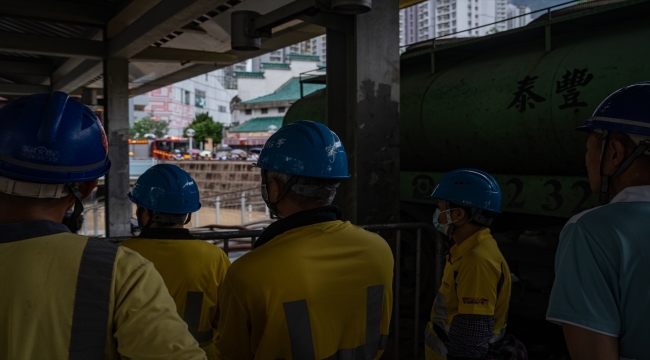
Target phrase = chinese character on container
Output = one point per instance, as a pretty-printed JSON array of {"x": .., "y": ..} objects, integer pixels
[
  {"x": 524, "y": 96},
  {"x": 568, "y": 87}
]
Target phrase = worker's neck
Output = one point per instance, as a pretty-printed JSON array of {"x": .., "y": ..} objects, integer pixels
[
  {"x": 9, "y": 214},
  {"x": 287, "y": 208},
  {"x": 464, "y": 232},
  {"x": 634, "y": 176}
]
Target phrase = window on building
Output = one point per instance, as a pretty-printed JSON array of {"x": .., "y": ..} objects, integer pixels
[
  {"x": 138, "y": 107},
  {"x": 186, "y": 97},
  {"x": 476, "y": 8},
  {"x": 265, "y": 111},
  {"x": 206, "y": 77},
  {"x": 199, "y": 99},
  {"x": 222, "y": 108},
  {"x": 282, "y": 109},
  {"x": 248, "y": 112}
]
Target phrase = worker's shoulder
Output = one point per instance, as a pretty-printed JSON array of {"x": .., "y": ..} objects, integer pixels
[{"x": 485, "y": 251}]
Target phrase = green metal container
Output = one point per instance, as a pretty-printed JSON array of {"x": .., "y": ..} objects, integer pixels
[{"x": 508, "y": 103}]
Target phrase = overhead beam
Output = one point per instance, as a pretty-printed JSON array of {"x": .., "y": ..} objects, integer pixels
[
  {"x": 185, "y": 73},
  {"x": 50, "y": 45},
  {"x": 79, "y": 76},
  {"x": 291, "y": 35},
  {"x": 159, "y": 54},
  {"x": 78, "y": 12},
  {"x": 166, "y": 17},
  {"x": 22, "y": 89},
  {"x": 18, "y": 67}
]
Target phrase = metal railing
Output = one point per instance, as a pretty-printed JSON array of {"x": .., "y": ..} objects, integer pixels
[
  {"x": 548, "y": 10},
  {"x": 248, "y": 238}
]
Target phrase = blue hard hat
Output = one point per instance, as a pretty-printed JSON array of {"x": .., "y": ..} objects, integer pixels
[
  {"x": 305, "y": 148},
  {"x": 469, "y": 187},
  {"x": 167, "y": 189},
  {"x": 49, "y": 138},
  {"x": 626, "y": 110}
]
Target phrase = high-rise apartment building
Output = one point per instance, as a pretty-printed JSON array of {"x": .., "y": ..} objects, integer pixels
[
  {"x": 454, "y": 18},
  {"x": 518, "y": 16}
]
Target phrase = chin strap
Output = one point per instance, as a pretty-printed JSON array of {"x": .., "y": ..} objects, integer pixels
[
  {"x": 265, "y": 193},
  {"x": 78, "y": 205},
  {"x": 605, "y": 179}
]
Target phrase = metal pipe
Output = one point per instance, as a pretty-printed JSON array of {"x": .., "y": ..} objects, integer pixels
[
  {"x": 266, "y": 210},
  {"x": 416, "y": 334},
  {"x": 396, "y": 292},
  {"x": 250, "y": 212},
  {"x": 218, "y": 206},
  {"x": 243, "y": 207},
  {"x": 95, "y": 217},
  {"x": 196, "y": 219},
  {"x": 85, "y": 223}
]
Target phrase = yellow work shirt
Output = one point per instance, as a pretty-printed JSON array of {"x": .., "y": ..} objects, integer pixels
[
  {"x": 39, "y": 266},
  {"x": 476, "y": 281},
  {"x": 312, "y": 292},
  {"x": 193, "y": 271}
]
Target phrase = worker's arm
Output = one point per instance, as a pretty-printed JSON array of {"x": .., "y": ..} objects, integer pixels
[
  {"x": 585, "y": 344},
  {"x": 469, "y": 337},
  {"x": 146, "y": 324},
  {"x": 584, "y": 295},
  {"x": 233, "y": 332}
]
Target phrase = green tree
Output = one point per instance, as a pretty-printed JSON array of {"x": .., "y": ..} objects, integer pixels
[
  {"x": 205, "y": 127},
  {"x": 147, "y": 125}
]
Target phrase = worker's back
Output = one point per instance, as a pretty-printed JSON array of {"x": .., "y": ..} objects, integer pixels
[
  {"x": 193, "y": 271},
  {"x": 58, "y": 289},
  {"x": 311, "y": 292}
]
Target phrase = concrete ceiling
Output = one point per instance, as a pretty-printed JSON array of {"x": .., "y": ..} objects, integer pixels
[{"x": 48, "y": 45}]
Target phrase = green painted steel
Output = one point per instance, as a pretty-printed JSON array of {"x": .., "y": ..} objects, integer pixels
[
  {"x": 312, "y": 107},
  {"x": 514, "y": 111},
  {"x": 561, "y": 196},
  {"x": 288, "y": 92},
  {"x": 506, "y": 105}
]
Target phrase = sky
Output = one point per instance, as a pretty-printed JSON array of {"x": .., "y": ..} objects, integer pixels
[{"x": 537, "y": 4}]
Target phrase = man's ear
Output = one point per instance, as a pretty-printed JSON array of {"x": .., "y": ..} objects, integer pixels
[
  {"x": 617, "y": 152},
  {"x": 86, "y": 188},
  {"x": 461, "y": 213},
  {"x": 274, "y": 188}
]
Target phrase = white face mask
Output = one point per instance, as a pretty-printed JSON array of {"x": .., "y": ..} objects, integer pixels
[{"x": 443, "y": 228}]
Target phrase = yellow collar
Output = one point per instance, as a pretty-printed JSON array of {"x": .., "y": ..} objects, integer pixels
[{"x": 457, "y": 251}]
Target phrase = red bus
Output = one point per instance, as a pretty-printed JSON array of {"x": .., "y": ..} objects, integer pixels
[{"x": 169, "y": 148}]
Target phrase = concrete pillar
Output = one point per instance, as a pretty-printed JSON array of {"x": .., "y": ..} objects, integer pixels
[
  {"x": 116, "y": 122},
  {"x": 363, "y": 108}
]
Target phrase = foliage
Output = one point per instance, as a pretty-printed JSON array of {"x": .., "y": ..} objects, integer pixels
[
  {"x": 205, "y": 127},
  {"x": 147, "y": 125}
]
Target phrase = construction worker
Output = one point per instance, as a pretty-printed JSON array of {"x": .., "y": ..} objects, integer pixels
[
  {"x": 313, "y": 287},
  {"x": 64, "y": 296},
  {"x": 602, "y": 283},
  {"x": 469, "y": 314},
  {"x": 193, "y": 270}
]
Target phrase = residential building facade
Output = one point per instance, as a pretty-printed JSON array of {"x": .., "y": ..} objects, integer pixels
[
  {"x": 455, "y": 18},
  {"x": 180, "y": 102}
]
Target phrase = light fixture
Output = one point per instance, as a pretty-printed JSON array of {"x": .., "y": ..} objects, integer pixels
[
  {"x": 351, "y": 7},
  {"x": 242, "y": 32}
]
